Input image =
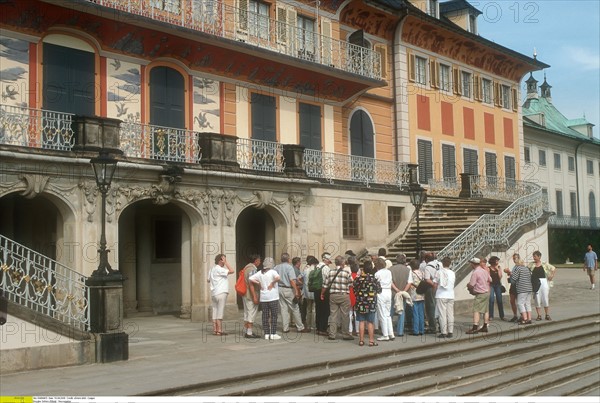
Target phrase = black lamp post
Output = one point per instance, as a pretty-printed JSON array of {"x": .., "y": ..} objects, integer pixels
[
  {"x": 418, "y": 196},
  {"x": 104, "y": 168}
]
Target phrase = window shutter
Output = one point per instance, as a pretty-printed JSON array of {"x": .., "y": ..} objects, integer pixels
[
  {"x": 242, "y": 19},
  {"x": 509, "y": 167},
  {"x": 282, "y": 25},
  {"x": 497, "y": 94},
  {"x": 456, "y": 81},
  {"x": 411, "y": 67},
  {"x": 382, "y": 50},
  {"x": 515, "y": 99},
  {"x": 477, "y": 88},
  {"x": 434, "y": 68},
  {"x": 326, "y": 42},
  {"x": 490, "y": 165},
  {"x": 448, "y": 161},
  {"x": 425, "y": 161}
]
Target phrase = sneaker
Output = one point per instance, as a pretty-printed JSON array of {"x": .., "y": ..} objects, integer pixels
[
  {"x": 383, "y": 338},
  {"x": 267, "y": 336},
  {"x": 275, "y": 337},
  {"x": 593, "y": 286},
  {"x": 514, "y": 319},
  {"x": 442, "y": 336},
  {"x": 251, "y": 336}
]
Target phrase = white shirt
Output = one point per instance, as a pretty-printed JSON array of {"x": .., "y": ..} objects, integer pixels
[
  {"x": 218, "y": 280},
  {"x": 265, "y": 278},
  {"x": 385, "y": 278},
  {"x": 445, "y": 279}
]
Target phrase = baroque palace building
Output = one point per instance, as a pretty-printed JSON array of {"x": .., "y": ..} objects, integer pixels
[
  {"x": 245, "y": 127},
  {"x": 563, "y": 156}
]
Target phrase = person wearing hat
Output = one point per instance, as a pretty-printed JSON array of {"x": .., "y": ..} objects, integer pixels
[
  {"x": 267, "y": 279},
  {"x": 479, "y": 285},
  {"x": 322, "y": 305}
]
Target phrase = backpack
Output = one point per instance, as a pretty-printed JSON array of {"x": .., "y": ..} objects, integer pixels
[
  {"x": 315, "y": 279},
  {"x": 240, "y": 285}
]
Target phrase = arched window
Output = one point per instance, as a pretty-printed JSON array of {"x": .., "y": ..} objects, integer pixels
[
  {"x": 361, "y": 135},
  {"x": 167, "y": 98},
  {"x": 592, "y": 205},
  {"x": 69, "y": 76}
]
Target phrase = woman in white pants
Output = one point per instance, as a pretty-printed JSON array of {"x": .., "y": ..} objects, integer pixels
[
  {"x": 545, "y": 273},
  {"x": 384, "y": 300}
]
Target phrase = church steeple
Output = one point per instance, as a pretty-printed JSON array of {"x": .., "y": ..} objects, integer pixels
[
  {"x": 532, "y": 91},
  {"x": 545, "y": 88}
]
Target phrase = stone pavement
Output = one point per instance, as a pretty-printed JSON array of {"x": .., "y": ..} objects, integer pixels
[{"x": 166, "y": 352}]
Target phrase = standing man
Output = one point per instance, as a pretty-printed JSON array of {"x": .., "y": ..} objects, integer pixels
[
  {"x": 219, "y": 290},
  {"x": 429, "y": 272},
  {"x": 250, "y": 308},
  {"x": 444, "y": 294},
  {"x": 479, "y": 285},
  {"x": 590, "y": 263},
  {"x": 321, "y": 305},
  {"x": 267, "y": 279},
  {"x": 289, "y": 294},
  {"x": 338, "y": 282},
  {"x": 402, "y": 278}
]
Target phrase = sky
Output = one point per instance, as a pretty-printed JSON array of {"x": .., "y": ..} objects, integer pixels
[{"x": 565, "y": 35}]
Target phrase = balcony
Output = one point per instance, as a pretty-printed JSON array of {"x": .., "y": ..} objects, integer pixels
[
  {"x": 582, "y": 222},
  {"x": 222, "y": 19},
  {"x": 47, "y": 130}
]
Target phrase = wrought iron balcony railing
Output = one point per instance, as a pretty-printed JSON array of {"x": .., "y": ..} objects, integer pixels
[
  {"x": 159, "y": 143},
  {"x": 282, "y": 35},
  {"x": 39, "y": 283},
  {"x": 26, "y": 127},
  {"x": 581, "y": 222},
  {"x": 260, "y": 155},
  {"x": 333, "y": 166}
]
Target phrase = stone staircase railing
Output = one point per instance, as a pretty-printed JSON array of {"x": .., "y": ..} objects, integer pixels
[
  {"x": 491, "y": 229},
  {"x": 43, "y": 285}
]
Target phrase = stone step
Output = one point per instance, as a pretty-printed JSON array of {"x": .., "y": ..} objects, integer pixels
[{"x": 385, "y": 368}]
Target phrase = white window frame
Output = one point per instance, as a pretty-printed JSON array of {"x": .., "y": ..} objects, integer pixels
[
  {"x": 445, "y": 74},
  {"x": 421, "y": 70},
  {"x": 467, "y": 84},
  {"x": 487, "y": 95}
]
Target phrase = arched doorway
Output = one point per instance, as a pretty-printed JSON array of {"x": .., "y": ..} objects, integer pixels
[
  {"x": 255, "y": 233},
  {"x": 153, "y": 252},
  {"x": 35, "y": 223}
]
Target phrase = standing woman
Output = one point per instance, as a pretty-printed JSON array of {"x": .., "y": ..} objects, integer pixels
[
  {"x": 384, "y": 301},
  {"x": 545, "y": 273},
  {"x": 521, "y": 277},
  {"x": 512, "y": 291},
  {"x": 366, "y": 287},
  {"x": 418, "y": 316},
  {"x": 496, "y": 286},
  {"x": 219, "y": 289}
]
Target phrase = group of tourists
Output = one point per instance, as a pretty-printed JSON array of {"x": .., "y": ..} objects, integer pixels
[{"x": 334, "y": 296}]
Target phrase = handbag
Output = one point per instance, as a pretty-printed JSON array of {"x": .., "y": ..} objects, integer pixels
[{"x": 422, "y": 287}]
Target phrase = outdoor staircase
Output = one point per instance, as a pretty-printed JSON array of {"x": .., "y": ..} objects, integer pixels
[{"x": 442, "y": 219}]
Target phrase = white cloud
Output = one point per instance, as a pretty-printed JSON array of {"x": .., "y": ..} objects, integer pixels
[{"x": 582, "y": 58}]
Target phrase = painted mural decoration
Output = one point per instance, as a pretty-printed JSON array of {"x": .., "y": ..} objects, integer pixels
[
  {"x": 14, "y": 71},
  {"x": 206, "y": 105},
  {"x": 124, "y": 95}
]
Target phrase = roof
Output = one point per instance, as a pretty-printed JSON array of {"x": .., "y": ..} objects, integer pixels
[
  {"x": 455, "y": 5},
  {"x": 555, "y": 121}
]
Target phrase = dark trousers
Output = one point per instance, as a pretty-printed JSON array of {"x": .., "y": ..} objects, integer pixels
[
  {"x": 321, "y": 312},
  {"x": 430, "y": 309},
  {"x": 496, "y": 295}
]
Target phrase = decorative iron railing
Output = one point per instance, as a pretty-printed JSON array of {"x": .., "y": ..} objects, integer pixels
[
  {"x": 492, "y": 229},
  {"x": 447, "y": 187},
  {"x": 39, "y": 283},
  {"x": 333, "y": 166},
  {"x": 281, "y": 35},
  {"x": 260, "y": 155},
  {"x": 21, "y": 126},
  {"x": 582, "y": 222},
  {"x": 159, "y": 143}
]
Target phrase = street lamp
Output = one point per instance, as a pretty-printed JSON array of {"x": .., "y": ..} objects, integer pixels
[
  {"x": 418, "y": 196},
  {"x": 104, "y": 168}
]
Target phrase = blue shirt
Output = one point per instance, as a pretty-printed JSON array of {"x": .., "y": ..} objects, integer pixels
[{"x": 590, "y": 259}]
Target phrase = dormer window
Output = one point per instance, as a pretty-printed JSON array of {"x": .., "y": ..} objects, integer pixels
[
  {"x": 472, "y": 24},
  {"x": 432, "y": 8}
]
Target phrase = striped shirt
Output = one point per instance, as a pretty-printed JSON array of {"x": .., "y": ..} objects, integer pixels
[
  {"x": 521, "y": 278},
  {"x": 341, "y": 283}
]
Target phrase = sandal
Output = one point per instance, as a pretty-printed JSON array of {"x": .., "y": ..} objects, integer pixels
[
  {"x": 548, "y": 317},
  {"x": 539, "y": 317},
  {"x": 361, "y": 343},
  {"x": 372, "y": 344}
]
